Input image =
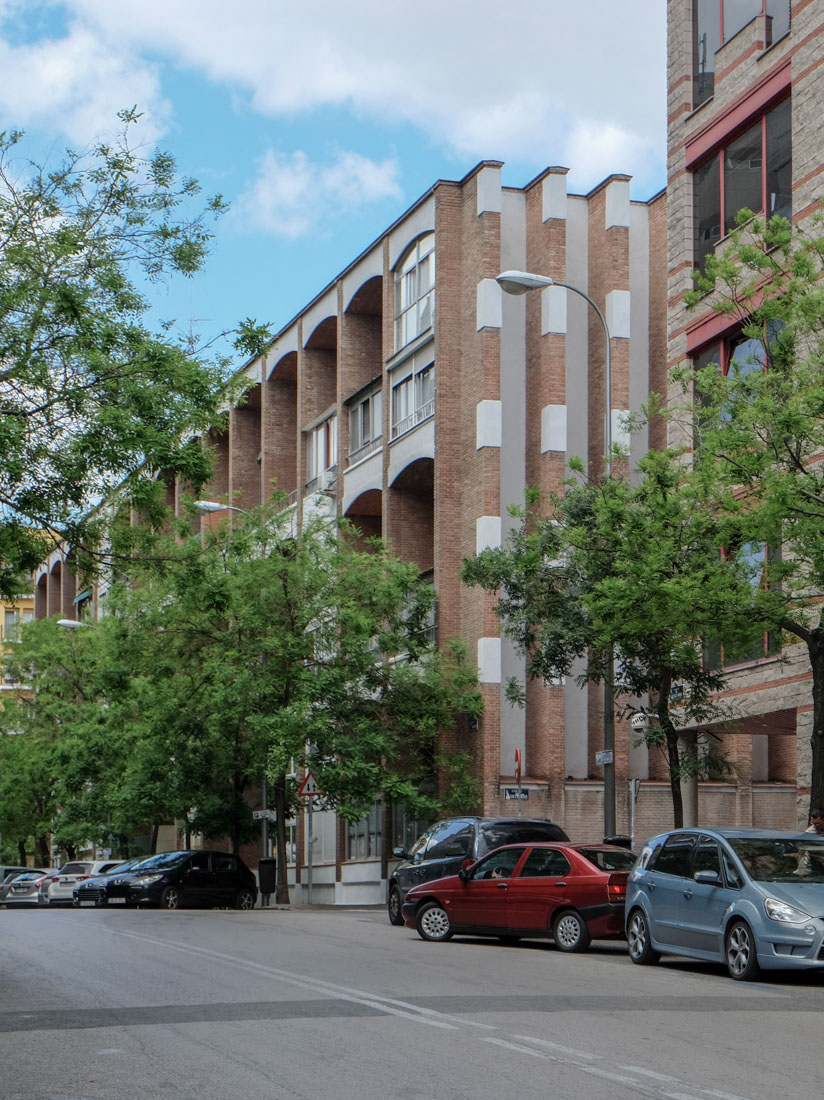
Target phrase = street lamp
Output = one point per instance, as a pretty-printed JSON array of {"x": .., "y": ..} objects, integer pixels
[
  {"x": 72, "y": 624},
  {"x": 519, "y": 282},
  {"x": 206, "y": 506}
]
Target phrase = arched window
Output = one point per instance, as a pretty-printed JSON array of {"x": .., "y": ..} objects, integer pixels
[{"x": 415, "y": 291}]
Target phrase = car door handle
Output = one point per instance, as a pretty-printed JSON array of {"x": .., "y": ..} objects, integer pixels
[
  {"x": 651, "y": 887},
  {"x": 501, "y": 885},
  {"x": 688, "y": 893}
]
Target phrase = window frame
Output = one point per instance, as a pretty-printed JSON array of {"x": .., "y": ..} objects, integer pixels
[
  {"x": 415, "y": 291},
  {"x": 417, "y": 386},
  {"x": 712, "y": 182},
  {"x": 702, "y": 47},
  {"x": 369, "y": 406}
]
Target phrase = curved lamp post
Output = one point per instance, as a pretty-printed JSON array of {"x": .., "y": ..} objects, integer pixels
[{"x": 519, "y": 282}]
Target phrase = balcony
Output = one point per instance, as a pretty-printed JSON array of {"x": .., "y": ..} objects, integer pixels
[{"x": 424, "y": 412}]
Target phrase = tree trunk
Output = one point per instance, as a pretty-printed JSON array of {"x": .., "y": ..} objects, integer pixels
[
  {"x": 673, "y": 759},
  {"x": 42, "y": 849},
  {"x": 282, "y": 883},
  {"x": 815, "y": 647},
  {"x": 21, "y": 853}
]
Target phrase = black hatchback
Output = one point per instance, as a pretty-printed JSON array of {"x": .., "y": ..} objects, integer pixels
[
  {"x": 189, "y": 879},
  {"x": 445, "y": 845}
]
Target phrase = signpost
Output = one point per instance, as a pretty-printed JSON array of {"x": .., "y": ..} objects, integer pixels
[
  {"x": 518, "y": 779},
  {"x": 309, "y": 790}
]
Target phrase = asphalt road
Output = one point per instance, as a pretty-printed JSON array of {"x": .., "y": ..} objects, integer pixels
[{"x": 339, "y": 1005}]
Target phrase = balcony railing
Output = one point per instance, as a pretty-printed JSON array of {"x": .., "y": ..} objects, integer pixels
[
  {"x": 364, "y": 451},
  {"x": 415, "y": 418}
]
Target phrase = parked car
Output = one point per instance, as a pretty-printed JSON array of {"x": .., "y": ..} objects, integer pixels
[
  {"x": 197, "y": 879},
  {"x": 6, "y": 870},
  {"x": 442, "y": 849},
  {"x": 94, "y": 891},
  {"x": 572, "y": 892},
  {"x": 23, "y": 890},
  {"x": 62, "y": 886},
  {"x": 749, "y": 898}
]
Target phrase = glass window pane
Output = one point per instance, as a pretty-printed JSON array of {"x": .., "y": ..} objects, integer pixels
[
  {"x": 743, "y": 161},
  {"x": 706, "y": 858},
  {"x": 746, "y": 355},
  {"x": 706, "y": 40},
  {"x": 707, "y": 194},
  {"x": 738, "y": 13},
  {"x": 779, "y": 160},
  {"x": 674, "y": 857}
]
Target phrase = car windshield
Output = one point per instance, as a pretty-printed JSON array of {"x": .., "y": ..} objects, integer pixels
[
  {"x": 768, "y": 859},
  {"x": 75, "y": 868},
  {"x": 129, "y": 865},
  {"x": 497, "y": 833},
  {"x": 608, "y": 859},
  {"x": 164, "y": 860}
]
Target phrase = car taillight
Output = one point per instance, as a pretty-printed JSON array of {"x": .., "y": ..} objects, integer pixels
[{"x": 617, "y": 887}]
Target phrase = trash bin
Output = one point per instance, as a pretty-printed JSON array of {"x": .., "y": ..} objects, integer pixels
[
  {"x": 620, "y": 840},
  {"x": 266, "y": 875}
]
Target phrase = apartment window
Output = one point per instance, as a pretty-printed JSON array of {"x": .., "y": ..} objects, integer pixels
[
  {"x": 365, "y": 428},
  {"x": 753, "y": 170},
  {"x": 363, "y": 837},
  {"x": 716, "y": 22},
  {"x": 415, "y": 292},
  {"x": 413, "y": 399},
  {"x": 760, "y": 643},
  {"x": 322, "y": 455},
  {"x": 11, "y": 622}
]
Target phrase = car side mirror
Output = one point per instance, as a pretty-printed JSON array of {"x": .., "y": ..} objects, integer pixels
[
  {"x": 708, "y": 878},
  {"x": 466, "y": 867},
  {"x": 400, "y": 853}
]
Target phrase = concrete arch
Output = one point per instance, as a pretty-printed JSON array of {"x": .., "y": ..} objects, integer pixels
[
  {"x": 285, "y": 369},
  {"x": 367, "y": 298},
  {"x": 324, "y": 336},
  {"x": 410, "y": 507},
  {"x": 366, "y": 513}
]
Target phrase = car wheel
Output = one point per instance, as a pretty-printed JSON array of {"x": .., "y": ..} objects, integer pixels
[
  {"x": 640, "y": 949},
  {"x": 245, "y": 900},
  {"x": 739, "y": 952},
  {"x": 170, "y": 898},
  {"x": 432, "y": 922},
  {"x": 393, "y": 905},
  {"x": 570, "y": 932}
]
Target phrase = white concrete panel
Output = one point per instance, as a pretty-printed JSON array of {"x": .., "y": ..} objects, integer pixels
[
  {"x": 419, "y": 443},
  {"x": 617, "y": 203},
  {"x": 488, "y": 304},
  {"x": 489, "y": 660},
  {"x": 553, "y": 310},
  {"x": 487, "y": 533},
  {"x": 367, "y": 474},
  {"x": 488, "y": 424},
  {"x": 554, "y": 197},
  {"x": 553, "y": 428},
  {"x": 617, "y": 313},
  {"x": 420, "y": 220},
  {"x": 489, "y": 191}
]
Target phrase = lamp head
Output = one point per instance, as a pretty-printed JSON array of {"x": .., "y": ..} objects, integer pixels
[
  {"x": 519, "y": 282},
  {"x": 206, "y": 506}
]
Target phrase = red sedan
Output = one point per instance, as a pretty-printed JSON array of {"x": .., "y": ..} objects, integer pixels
[{"x": 572, "y": 892}]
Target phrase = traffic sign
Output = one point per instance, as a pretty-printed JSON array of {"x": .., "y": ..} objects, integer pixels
[
  {"x": 309, "y": 787},
  {"x": 264, "y": 815}
]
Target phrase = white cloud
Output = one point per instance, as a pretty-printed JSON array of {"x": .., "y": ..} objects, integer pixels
[
  {"x": 75, "y": 84},
  {"x": 291, "y": 195},
  {"x": 476, "y": 78}
]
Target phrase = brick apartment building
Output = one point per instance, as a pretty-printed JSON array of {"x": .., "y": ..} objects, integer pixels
[
  {"x": 744, "y": 124},
  {"x": 415, "y": 398}
]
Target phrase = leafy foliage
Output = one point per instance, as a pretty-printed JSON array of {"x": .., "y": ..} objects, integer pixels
[
  {"x": 90, "y": 398},
  {"x": 764, "y": 428}
]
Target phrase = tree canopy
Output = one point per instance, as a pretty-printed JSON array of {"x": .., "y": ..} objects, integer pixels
[
  {"x": 634, "y": 567},
  {"x": 90, "y": 398},
  {"x": 761, "y": 420},
  {"x": 253, "y": 649}
]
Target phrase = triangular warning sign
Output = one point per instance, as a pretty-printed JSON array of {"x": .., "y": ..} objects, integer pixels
[{"x": 309, "y": 787}]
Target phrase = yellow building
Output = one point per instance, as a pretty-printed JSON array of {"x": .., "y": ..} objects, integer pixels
[{"x": 15, "y": 613}]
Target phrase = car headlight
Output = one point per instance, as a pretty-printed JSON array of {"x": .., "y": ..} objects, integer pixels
[
  {"x": 146, "y": 880},
  {"x": 780, "y": 910}
]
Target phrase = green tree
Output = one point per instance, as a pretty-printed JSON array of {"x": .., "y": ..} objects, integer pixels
[
  {"x": 257, "y": 649},
  {"x": 90, "y": 398},
  {"x": 634, "y": 567},
  {"x": 763, "y": 421}
]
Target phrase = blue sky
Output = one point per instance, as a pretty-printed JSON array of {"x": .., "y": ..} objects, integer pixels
[{"x": 321, "y": 121}]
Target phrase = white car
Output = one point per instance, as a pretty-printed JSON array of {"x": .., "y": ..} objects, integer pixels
[{"x": 62, "y": 885}]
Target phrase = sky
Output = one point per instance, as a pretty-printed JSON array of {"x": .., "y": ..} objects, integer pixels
[{"x": 322, "y": 121}]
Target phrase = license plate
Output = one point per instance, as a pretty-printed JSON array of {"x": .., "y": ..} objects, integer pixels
[
  {"x": 86, "y": 903},
  {"x": 117, "y": 901}
]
